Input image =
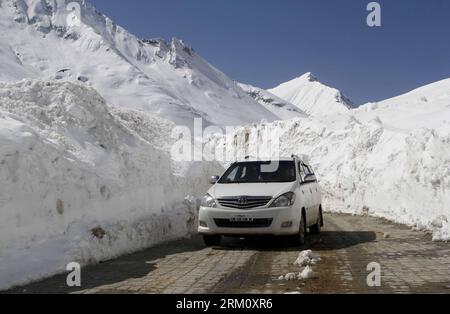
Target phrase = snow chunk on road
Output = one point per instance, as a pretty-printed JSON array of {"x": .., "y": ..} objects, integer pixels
[
  {"x": 293, "y": 292},
  {"x": 306, "y": 258},
  {"x": 307, "y": 273},
  {"x": 289, "y": 276}
]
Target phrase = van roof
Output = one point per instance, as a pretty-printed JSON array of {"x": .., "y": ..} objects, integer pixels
[{"x": 251, "y": 159}]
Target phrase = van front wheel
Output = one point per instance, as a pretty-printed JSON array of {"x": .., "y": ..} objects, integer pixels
[
  {"x": 301, "y": 237},
  {"x": 316, "y": 228}
]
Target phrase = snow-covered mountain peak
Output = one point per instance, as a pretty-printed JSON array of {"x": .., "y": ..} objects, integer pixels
[
  {"x": 47, "y": 15},
  {"x": 75, "y": 19},
  {"x": 46, "y": 39},
  {"x": 302, "y": 79},
  {"x": 278, "y": 106},
  {"x": 180, "y": 52},
  {"x": 308, "y": 76},
  {"x": 312, "y": 96}
]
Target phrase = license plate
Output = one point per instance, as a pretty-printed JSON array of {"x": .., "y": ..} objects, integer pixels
[{"x": 241, "y": 218}]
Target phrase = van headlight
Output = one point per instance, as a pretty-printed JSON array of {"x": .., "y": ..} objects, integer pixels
[
  {"x": 285, "y": 200},
  {"x": 208, "y": 201}
]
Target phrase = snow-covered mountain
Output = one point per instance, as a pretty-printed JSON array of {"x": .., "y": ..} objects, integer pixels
[
  {"x": 312, "y": 97},
  {"x": 166, "y": 78},
  {"x": 276, "y": 105}
]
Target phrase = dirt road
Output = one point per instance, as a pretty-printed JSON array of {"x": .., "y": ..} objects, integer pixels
[{"x": 410, "y": 263}]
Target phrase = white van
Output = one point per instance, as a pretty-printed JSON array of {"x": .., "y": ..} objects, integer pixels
[{"x": 273, "y": 197}]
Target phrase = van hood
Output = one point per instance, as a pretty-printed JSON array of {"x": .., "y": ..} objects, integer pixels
[{"x": 251, "y": 189}]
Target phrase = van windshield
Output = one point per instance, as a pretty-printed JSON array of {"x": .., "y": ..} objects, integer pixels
[{"x": 260, "y": 172}]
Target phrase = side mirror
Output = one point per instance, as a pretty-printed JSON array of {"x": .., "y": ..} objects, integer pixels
[
  {"x": 310, "y": 178},
  {"x": 214, "y": 179}
]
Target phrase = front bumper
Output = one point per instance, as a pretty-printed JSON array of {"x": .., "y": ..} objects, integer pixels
[{"x": 278, "y": 216}]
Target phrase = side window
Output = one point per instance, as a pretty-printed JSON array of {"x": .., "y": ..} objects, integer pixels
[
  {"x": 302, "y": 172},
  {"x": 305, "y": 169},
  {"x": 310, "y": 173},
  {"x": 308, "y": 170}
]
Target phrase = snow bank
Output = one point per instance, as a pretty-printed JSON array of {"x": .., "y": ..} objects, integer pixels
[
  {"x": 78, "y": 184},
  {"x": 396, "y": 166}
]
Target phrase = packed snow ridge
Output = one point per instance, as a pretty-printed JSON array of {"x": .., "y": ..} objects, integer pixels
[{"x": 81, "y": 183}]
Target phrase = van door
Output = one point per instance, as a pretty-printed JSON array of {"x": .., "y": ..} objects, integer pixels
[
  {"x": 314, "y": 187},
  {"x": 306, "y": 195},
  {"x": 315, "y": 191}
]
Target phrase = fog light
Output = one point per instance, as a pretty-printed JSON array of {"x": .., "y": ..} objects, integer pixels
[
  {"x": 287, "y": 224},
  {"x": 203, "y": 224}
]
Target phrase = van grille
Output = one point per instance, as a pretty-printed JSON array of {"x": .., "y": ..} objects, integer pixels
[
  {"x": 255, "y": 223},
  {"x": 244, "y": 202}
]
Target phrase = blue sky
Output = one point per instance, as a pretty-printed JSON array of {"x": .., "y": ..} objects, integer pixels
[{"x": 267, "y": 42}]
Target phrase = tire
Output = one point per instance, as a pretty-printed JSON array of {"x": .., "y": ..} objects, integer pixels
[
  {"x": 301, "y": 236},
  {"x": 315, "y": 229},
  {"x": 322, "y": 221},
  {"x": 212, "y": 240}
]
